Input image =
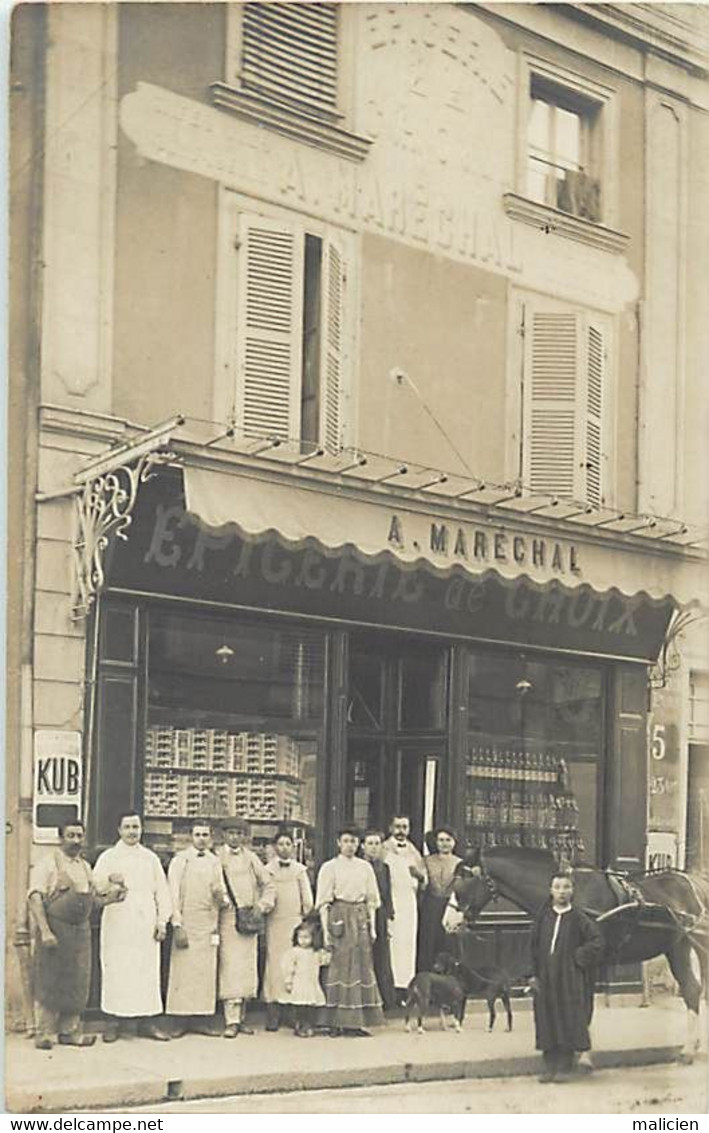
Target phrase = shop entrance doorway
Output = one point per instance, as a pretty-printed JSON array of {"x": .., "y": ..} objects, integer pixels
[{"x": 396, "y": 734}]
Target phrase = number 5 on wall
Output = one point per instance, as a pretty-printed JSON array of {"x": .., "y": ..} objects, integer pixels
[{"x": 658, "y": 746}]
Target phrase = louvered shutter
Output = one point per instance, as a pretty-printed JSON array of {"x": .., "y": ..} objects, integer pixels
[
  {"x": 595, "y": 379},
  {"x": 331, "y": 339},
  {"x": 269, "y": 328},
  {"x": 289, "y": 52},
  {"x": 550, "y": 457}
]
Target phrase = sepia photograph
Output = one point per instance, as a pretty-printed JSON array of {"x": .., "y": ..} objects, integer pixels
[{"x": 357, "y": 591}]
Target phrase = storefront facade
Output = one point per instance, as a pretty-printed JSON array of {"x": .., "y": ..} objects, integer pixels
[
  {"x": 443, "y": 592},
  {"x": 302, "y": 684}
]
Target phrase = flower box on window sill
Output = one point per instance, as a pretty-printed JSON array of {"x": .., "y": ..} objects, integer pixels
[
  {"x": 561, "y": 223},
  {"x": 293, "y": 123}
]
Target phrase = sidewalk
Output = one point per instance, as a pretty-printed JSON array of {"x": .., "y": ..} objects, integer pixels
[{"x": 142, "y": 1072}]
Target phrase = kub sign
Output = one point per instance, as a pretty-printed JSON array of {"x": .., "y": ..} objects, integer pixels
[{"x": 57, "y": 782}]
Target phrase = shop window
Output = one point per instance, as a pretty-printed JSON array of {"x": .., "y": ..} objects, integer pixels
[
  {"x": 535, "y": 744},
  {"x": 234, "y": 718},
  {"x": 561, "y": 158},
  {"x": 565, "y": 402},
  {"x": 283, "y": 370}
]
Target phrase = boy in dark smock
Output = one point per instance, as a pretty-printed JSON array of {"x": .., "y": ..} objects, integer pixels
[{"x": 566, "y": 946}]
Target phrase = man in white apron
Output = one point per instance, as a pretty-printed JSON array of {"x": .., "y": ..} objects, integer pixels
[
  {"x": 198, "y": 893},
  {"x": 408, "y": 876},
  {"x": 132, "y": 931}
]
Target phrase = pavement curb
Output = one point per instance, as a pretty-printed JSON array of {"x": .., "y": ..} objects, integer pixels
[{"x": 158, "y": 1090}]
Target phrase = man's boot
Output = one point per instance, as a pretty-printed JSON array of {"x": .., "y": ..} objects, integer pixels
[
  {"x": 150, "y": 1029},
  {"x": 111, "y": 1032},
  {"x": 42, "y": 1042},
  {"x": 75, "y": 1038}
]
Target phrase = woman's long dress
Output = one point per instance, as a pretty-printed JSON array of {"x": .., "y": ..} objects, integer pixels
[
  {"x": 293, "y": 900},
  {"x": 432, "y": 936}
]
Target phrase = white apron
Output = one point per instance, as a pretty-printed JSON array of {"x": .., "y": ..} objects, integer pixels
[
  {"x": 192, "y": 989},
  {"x": 404, "y": 927},
  {"x": 130, "y": 955}
]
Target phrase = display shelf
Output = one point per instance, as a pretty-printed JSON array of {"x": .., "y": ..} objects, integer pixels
[
  {"x": 213, "y": 772},
  {"x": 226, "y": 774},
  {"x": 520, "y": 797}
]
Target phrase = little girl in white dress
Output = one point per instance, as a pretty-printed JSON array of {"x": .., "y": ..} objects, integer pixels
[{"x": 301, "y": 966}]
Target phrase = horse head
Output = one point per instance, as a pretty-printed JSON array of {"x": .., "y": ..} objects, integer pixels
[
  {"x": 520, "y": 874},
  {"x": 473, "y": 891}
]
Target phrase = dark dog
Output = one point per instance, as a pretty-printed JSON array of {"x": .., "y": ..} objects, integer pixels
[
  {"x": 486, "y": 982},
  {"x": 433, "y": 989}
]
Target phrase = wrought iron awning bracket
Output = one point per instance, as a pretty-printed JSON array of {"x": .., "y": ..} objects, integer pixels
[
  {"x": 670, "y": 660},
  {"x": 107, "y": 491}
]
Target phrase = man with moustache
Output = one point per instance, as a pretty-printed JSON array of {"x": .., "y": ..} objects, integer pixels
[{"x": 61, "y": 897}]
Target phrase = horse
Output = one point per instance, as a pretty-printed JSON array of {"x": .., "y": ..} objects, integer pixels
[{"x": 664, "y": 912}]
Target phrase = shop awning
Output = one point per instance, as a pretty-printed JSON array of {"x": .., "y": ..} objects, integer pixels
[
  {"x": 259, "y": 524},
  {"x": 441, "y": 535}
]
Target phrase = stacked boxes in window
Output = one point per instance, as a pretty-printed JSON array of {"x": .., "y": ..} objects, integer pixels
[{"x": 171, "y": 791}]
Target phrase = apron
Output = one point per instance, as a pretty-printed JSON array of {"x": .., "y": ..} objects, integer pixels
[
  {"x": 192, "y": 989},
  {"x": 63, "y": 974}
]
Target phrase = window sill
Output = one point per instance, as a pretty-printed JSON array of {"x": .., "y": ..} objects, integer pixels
[
  {"x": 564, "y": 224},
  {"x": 291, "y": 123}
]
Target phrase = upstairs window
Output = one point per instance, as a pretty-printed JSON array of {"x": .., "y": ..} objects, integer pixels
[
  {"x": 565, "y": 403},
  {"x": 286, "y": 72},
  {"x": 289, "y": 53},
  {"x": 567, "y": 155},
  {"x": 285, "y": 327},
  {"x": 562, "y": 160}
]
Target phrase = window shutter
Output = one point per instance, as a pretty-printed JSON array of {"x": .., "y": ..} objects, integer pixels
[
  {"x": 551, "y": 348},
  {"x": 595, "y": 377},
  {"x": 290, "y": 52},
  {"x": 269, "y": 328},
  {"x": 331, "y": 393}
]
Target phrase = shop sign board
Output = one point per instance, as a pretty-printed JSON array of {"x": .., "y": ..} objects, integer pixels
[
  {"x": 661, "y": 850},
  {"x": 58, "y": 782},
  {"x": 171, "y": 552}
]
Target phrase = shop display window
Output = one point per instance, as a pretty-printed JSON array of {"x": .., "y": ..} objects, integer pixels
[
  {"x": 234, "y": 715},
  {"x": 534, "y": 755}
]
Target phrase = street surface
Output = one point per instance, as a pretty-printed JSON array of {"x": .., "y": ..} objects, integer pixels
[{"x": 661, "y": 1090}]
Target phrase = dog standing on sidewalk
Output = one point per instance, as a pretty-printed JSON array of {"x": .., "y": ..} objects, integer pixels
[
  {"x": 487, "y": 982},
  {"x": 434, "y": 989}
]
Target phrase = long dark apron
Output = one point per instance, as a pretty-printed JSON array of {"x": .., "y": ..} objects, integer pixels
[{"x": 63, "y": 974}]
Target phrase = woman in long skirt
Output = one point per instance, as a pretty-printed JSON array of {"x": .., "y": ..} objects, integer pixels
[
  {"x": 440, "y": 868},
  {"x": 347, "y": 899}
]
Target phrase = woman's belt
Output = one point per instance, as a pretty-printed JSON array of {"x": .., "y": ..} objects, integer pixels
[{"x": 344, "y": 901}]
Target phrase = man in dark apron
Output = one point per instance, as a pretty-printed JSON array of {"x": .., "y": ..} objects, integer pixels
[{"x": 61, "y": 897}]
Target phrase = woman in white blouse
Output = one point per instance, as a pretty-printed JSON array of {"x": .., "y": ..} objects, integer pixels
[{"x": 347, "y": 899}]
